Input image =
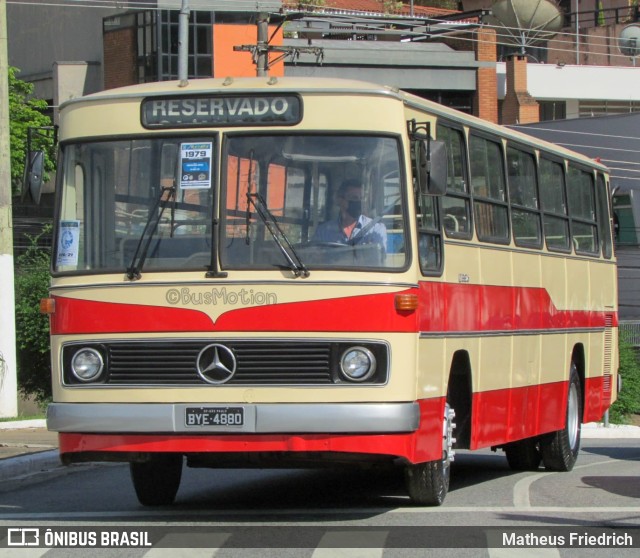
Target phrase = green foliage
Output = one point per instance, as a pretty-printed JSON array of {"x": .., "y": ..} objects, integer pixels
[
  {"x": 445, "y": 4},
  {"x": 391, "y": 6},
  {"x": 32, "y": 327},
  {"x": 26, "y": 112},
  {"x": 628, "y": 402}
]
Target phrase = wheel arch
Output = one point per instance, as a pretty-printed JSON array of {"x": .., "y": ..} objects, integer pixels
[
  {"x": 460, "y": 397},
  {"x": 579, "y": 359}
]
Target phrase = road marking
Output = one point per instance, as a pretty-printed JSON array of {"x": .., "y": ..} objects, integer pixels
[
  {"x": 23, "y": 552},
  {"x": 495, "y": 540},
  {"x": 521, "y": 490},
  {"x": 330, "y": 544},
  {"x": 523, "y": 553},
  {"x": 226, "y": 514},
  {"x": 210, "y": 542}
]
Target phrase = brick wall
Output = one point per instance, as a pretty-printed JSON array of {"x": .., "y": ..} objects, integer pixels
[
  {"x": 519, "y": 106},
  {"x": 120, "y": 63},
  {"x": 485, "y": 101}
]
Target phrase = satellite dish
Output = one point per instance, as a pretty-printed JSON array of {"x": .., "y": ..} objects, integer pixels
[
  {"x": 524, "y": 23},
  {"x": 629, "y": 41}
]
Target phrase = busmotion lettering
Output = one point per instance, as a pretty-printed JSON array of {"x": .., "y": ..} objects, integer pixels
[
  {"x": 220, "y": 110},
  {"x": 245, "y": 297}
]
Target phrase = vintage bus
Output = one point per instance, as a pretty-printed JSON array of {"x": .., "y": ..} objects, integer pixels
[{"x": 292, "y": 272}]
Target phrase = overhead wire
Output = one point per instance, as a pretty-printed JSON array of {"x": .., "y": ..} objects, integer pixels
[{"x": 565, "y": 38}]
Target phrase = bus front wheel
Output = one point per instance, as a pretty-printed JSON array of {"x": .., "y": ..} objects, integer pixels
[
  {"x": 560, "y": 448},
  {"x": 428, "y": 483},
  {"x": 157, "y": 480}
]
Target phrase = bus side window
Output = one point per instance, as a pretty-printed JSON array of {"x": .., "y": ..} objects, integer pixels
[
  {"x": 604, "y": 217},
  {"x": 523, "y": 195},
  {"x": 488, "y": 187},
  {"x": 582, "y": 210},
  {"x": 554, "y": 205},
  {"x": 456, "y": 214},
  {"x": 429, "y": 236}
]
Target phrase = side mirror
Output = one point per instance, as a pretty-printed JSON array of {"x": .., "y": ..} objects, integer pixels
[
  {"x": 34, "y": 171},
  {"x": 430, "y": 166}
]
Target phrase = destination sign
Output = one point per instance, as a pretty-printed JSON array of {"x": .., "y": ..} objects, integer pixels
[{"x": 221, "y": 110}]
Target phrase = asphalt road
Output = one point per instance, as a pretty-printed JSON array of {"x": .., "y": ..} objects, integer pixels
[{"x": 274, "y": 510}]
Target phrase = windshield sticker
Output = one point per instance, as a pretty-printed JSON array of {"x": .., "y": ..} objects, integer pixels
[
  {"x": 68, "y": 242},
  {"x": 195, "y": 165}
]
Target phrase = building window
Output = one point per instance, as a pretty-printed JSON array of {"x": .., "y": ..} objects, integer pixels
[
  {"x": 157, "y": 35},
  {"x": 552, "y": 110},
  {"x": 603, "y": 108}
]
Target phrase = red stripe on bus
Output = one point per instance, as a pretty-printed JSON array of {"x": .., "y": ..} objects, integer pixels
[
  {"x": 514, "y": 414},
  {"x": 597, "y": 398},
  {"x": 462, "y": 307},
  {"x": 416, "y": 446},
  {"x": 73, "y": 315},
  {"x": 366, "y": 313},
  {"x": 505, "y": 415},
  {"x": 444, "y": 307}
]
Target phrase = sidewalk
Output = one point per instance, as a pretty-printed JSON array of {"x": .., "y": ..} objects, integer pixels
[{"x": 27, "y": 447}]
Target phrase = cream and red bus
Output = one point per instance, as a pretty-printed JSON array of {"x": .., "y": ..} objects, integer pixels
[{"x": 220, "y": 298}]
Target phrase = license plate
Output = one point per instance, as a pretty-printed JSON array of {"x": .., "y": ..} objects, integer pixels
[{"x": 214, "y": 416}]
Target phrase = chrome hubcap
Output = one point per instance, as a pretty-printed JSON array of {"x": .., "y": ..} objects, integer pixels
[{"x": 572, "y": 415}]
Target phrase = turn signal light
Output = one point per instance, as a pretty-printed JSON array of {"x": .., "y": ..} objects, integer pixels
[
  {"x": 406, "y": 302},
  {"x": 47, "y": 305}
]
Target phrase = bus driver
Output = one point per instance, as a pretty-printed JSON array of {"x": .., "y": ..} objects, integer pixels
[{"x": 351, "y": 226}]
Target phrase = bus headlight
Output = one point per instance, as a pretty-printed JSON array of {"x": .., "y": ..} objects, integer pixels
[
  {"x": 87, "y": 364},
  {"x": 358, "y": 364}
]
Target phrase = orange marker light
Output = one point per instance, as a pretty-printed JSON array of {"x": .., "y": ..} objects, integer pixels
[
  {"x": 406, "y": 302},
  {"x": 47, "y": 305}
]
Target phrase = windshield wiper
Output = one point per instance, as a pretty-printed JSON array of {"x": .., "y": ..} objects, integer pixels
[
  {"x": 295, "y": 263},
  {"x": 140, "y": 254}
]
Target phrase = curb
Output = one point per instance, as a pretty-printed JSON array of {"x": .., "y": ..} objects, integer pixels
[
  {"x": 13, "y": 468},
  {"x": 597, "y": 430},
  {"x": 19, "y": 424}
]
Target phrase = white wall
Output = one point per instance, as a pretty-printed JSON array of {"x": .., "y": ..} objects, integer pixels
[{"x": 547, "y": 82}]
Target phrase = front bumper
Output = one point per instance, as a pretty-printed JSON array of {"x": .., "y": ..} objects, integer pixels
[{"x": 152, "y": 418}]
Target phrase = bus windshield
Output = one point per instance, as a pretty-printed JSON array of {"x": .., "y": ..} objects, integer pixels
[{"x": 286, "y": 202}]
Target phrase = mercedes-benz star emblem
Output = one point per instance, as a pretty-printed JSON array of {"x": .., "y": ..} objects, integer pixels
[{"x": 216, "y": 364}]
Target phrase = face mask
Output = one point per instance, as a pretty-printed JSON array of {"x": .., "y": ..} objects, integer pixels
[{"x": 354, "y": 208}]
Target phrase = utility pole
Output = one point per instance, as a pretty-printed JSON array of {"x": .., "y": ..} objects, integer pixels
[
  {"x": 183, "y": 44},
  {"x": 578, "y": 32},
  {"x": 262, "y": 49},
  {"x": 262, "y": 62},
  {"x": 8, "y": 361}
]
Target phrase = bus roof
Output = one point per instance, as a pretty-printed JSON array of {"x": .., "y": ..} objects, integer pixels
[
  {"x": 314, "y": 85},
  {"x": 237, "y": 85}
]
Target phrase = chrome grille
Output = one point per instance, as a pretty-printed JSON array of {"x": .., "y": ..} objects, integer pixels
[{"x": 258, "y": 363}]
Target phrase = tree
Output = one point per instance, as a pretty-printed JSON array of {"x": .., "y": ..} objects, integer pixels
[
  {"x": 26, "y": 112},
  {"x": 446, "y": 4},
  {"x": 32, "y": 327}
]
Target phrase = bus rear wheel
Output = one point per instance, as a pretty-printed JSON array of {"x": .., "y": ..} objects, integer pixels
[
  {"x": 428, "y": 483},
  {"x": 157, "y": 480},
  {"x": 560, "y": 448}
]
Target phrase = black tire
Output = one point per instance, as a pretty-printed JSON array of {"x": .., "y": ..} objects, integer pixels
[
  {"x": 157, "y": 481},
  {"x": 428, "y": 483},
  {"x": 560, "y": 449},
  {"x": 524, "y": 455}
]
